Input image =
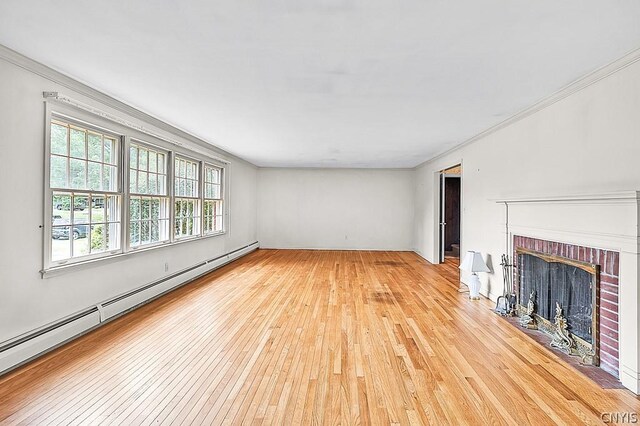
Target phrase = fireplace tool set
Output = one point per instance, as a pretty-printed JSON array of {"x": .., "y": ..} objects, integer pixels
[{"x": 506, "y": 304}]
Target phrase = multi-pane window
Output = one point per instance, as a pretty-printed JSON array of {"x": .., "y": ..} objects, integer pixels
[
  {"x": 148, "y": 200},
  {"x": 186, "y": 197},
  {"x": 84, "y": 192},
  {"x": 114, "y": 191},
  {"x": 213, "y": 208}
]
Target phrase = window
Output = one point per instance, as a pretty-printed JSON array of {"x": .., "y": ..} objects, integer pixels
[
  {"x": 148, "y": 199},
  {"x": 212, "y": 199},
  {"x": 112, "y": 192},
  {"x": 187, "y": 197},
  {"x": 83, "y": 181}
]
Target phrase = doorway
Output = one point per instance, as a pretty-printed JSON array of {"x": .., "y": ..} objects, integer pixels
[{"x": 450, "y": 195}]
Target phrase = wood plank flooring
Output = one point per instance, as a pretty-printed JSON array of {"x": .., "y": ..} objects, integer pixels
[{"x": 291, "y": 337}]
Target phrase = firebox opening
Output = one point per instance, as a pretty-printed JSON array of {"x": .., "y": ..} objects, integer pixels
[{"x": 563, "y": 293}]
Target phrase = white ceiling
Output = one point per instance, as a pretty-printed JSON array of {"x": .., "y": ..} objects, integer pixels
[{"x": 325, "y": 83}]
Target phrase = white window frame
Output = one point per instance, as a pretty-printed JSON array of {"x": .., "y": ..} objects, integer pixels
[
  {"x": 167, "y": 154},
  {"x": 197, "y": 198},
  {"x": 49, "y": 192},
  {"x": 221, "y": 199},
  {"x": 73, "y": 115}
]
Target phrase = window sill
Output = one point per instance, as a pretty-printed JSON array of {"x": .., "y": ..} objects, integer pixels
[{"x": 54, "y": 271}]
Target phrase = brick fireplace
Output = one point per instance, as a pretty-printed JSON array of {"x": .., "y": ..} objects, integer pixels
[
  {"x": 607, "y": 293},
  {"x": 597, "y": 229}
]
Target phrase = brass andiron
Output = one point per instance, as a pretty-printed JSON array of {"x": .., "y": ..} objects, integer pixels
[
  {"x": 561, "y": 338},
  {"x": 528, "y": 320}
]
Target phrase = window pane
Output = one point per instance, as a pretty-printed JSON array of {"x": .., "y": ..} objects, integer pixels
[
  {"x": 133, "y": 180},
  {"x": 95, "y": 146},
  {"x": 153, "y": 184},
  {"x": 113, "y": 208},
  {"x": 78, "y": 173},
  {"x": 161, "y": 167},
  {"x": 109, "y": 178},
  {"x": 80, "y": 240},
  {"x": 143, "y": 159},
  {"x": 155, "y": 232},
  {"x": 134, "y": 233},
  {"x": 63, "y": 204},
  {"x": 58, "y": 172},
  {"x": 142, "y": 182},
  {"x": 153, "y": 161},
  {"x": 98, "y": 209},
  {"x": 58, "y": 139},
  {"x": 60, "y": 243},
  {"x": 80, "y": 209},
  {"x": 155, "y": 209},
  {"x": 162, "y": 190},
  {"x": 181, "y": 170},
  {"x": 145, "y": 208},
  {"x": 133, "y": 157},
  {"x": 95, "y": 178},
  {"x": 144, "y": 232},
  {"x": 134, "y": 209},
  {"x": 112, "y": 237},
  {"x": 110, "y": 150},
  {"x": 98, "y": 238},
  {"x": 78, "y": 143}
]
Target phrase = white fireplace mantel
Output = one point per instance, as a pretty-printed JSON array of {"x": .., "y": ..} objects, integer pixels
[{"x": 607, "y": 221}]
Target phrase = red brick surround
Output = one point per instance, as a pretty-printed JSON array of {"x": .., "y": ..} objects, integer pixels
[{"x": 609, "y": 262}]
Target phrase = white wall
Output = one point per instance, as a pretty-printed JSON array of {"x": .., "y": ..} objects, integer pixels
[
  {"x": 584, "y": 144},
  {"x": 26, "y": 300},
  {"x": 335, "y": 208}
]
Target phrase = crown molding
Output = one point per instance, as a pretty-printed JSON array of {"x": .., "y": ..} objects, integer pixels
[
  {"x": 573, "y": 87},
  {"x": 28, "y": 64}
]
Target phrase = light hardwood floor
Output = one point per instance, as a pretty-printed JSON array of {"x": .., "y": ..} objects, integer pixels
[{"x": 309, "y": 337}]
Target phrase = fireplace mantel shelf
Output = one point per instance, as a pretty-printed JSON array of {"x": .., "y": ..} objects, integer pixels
[{"x": 607, "y": 196}]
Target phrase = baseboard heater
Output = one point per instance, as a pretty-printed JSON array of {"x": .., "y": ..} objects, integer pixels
[{"x": 26, "y": 347}]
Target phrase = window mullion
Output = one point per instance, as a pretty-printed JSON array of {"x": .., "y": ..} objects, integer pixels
[
  {"x": 171, "y": 194},
  {"x": 126, "y": 195},
  {"x": 201, "y": 189},
  {"x": 119, "y": 145}
]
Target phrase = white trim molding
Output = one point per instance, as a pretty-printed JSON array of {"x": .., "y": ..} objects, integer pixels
[{"x": 573, "y": 87}]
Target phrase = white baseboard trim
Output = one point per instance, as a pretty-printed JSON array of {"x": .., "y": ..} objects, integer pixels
[
  {"x": 335, "y": 248},
  {"x": 31, "y": 345},
  {"x": 630, "y": 379}
]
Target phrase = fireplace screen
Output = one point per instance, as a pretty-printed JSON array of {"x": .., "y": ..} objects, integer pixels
[{"x": 551, "y": 281}]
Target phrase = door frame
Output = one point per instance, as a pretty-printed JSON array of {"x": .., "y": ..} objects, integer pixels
[{"x": 439, "y": 176}]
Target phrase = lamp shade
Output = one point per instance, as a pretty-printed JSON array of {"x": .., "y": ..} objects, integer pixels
[{"x": 473, "y": 262}]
